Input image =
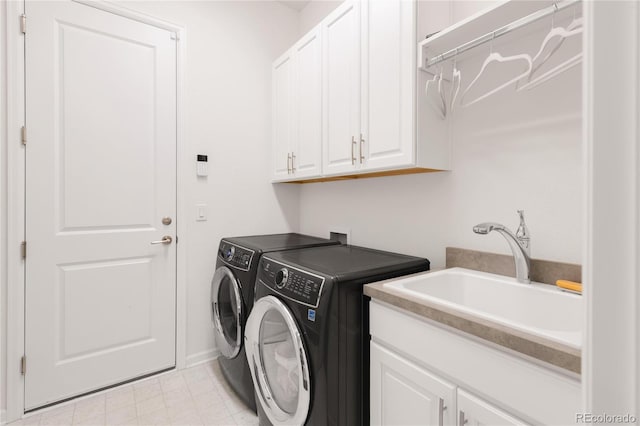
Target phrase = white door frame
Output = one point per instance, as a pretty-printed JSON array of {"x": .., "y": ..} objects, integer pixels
[
  {"x": 611, "y": 230},
  {"x": 16, "y": 194}
]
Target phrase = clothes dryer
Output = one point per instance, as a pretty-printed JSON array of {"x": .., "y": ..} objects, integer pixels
[{"x": 307, "y": 336}]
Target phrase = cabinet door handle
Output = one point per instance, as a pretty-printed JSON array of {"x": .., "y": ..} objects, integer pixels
[
  {"x": 293, "y": 159},
  {"x": 461, "y": 420},
  {"x": 353, "y": 154},
  {"x": 361, "y": 149},
  {"x": 441, "y": 409},
  {"x": 288, "y": 163}
]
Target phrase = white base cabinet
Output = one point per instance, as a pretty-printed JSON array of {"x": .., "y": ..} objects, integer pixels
[
  {"x": 473, "y": 411},
  {"x": 403, "y": 393},
  {"x": 423, "y": 373}
]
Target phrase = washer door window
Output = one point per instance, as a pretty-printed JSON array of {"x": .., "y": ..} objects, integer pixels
[
  {"x": 227, "y": 311},
  {"x": 278, "y": 362}
]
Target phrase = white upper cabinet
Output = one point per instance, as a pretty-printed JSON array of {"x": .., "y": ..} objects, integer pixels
[
  {"x": 282, "y": 110},
  {"x": 341, "y": 89},
  {"x": 388, "y": 84},
  {"x": 306, "y": 146},
  {"x": 297, "y": 110},
  {"x": 350, "y": 89}
]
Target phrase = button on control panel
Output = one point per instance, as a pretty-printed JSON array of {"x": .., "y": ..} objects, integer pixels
[
  {"x": 297, "y": 285},
  {"x": 235, "y": 256}
]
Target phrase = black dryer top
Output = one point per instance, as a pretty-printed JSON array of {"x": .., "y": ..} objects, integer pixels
[
  {"x": 275, "y": 242},
  {"x": 352, "y": 263}
]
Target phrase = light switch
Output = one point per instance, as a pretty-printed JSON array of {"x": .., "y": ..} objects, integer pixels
[{"x": 201, "y": 212}]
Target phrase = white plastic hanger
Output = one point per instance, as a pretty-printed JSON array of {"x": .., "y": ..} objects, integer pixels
[
  {"x": 455, "y": 82},
  {"x": 574, "y": 28},
  {"x": 558, "y": 69},
  {"x": 496, "y": 57},
  {"x": 433, "y": 93},
  {"x": 441, "y": 89}
]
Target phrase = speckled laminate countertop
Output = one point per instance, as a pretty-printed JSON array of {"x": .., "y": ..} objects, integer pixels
[{"x": 537, "y": 347}]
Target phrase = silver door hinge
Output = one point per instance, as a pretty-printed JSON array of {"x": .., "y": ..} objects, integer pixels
[
  {"x": 23, "y": 365},
  {"x": 23, "y": 135},
  {"x": 23, "y": 23},
  {"x": 175, "y": 36},
  {"x": 23, "y": 249}
]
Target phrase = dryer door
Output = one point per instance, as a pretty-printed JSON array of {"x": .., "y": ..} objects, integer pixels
[
  {"x": 278, "y": 362},
  {"x": 227, "y": 311}
]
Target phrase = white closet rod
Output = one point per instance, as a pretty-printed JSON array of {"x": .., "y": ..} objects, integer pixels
[{"x": 501, "y": 31}]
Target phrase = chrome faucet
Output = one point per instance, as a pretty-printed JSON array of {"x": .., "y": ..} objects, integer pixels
[{"x": 520, "y": 244}]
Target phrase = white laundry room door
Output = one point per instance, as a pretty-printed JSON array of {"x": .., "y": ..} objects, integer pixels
[{"x": 100, "y": 202}]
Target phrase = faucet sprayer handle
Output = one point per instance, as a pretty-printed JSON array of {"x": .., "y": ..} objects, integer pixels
[{"x": 522, "y": 234}]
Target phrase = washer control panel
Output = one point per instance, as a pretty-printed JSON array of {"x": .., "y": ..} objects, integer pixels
[
  {"x": 236, "y": 256},
  {"x": 295, "y": 284}
]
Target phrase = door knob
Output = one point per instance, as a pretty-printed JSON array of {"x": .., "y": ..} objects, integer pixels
[{"x": 165, "y": 240}]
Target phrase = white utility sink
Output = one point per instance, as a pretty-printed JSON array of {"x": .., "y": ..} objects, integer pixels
[{"x": 537, "y": 309}]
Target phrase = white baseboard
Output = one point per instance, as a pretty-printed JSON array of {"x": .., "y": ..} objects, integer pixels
[{"x": 201, "y": 357}]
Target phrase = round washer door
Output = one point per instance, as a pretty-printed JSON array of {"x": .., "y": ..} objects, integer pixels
[
  {"x": 278, "y": 362},
  {"x": 227, "y": 312}
]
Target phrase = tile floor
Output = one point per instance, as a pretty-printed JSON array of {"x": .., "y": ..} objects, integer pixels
[{"x": 194, "y": 396}]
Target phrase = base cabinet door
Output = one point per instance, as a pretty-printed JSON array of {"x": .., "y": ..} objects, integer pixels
[
  {"x": 473, "y": 411},
  {"x": 402, "y": 393}
]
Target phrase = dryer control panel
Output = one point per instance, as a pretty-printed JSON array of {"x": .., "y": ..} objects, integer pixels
[
  {"x": 234, "y": 255},
  {"x": 295, "y": 284}
]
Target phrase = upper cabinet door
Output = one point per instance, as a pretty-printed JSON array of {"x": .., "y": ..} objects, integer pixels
[
  {"x": 307, "y": 140},
  {"x": 282, "y": 106},
  {"x": 388, "y": 83},
  {"x": 341, "y": 88}
]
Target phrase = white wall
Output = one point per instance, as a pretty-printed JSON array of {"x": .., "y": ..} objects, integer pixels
[
  {"x": 227, "y": 100},
  {"x": 314, "y": 12},
  {"x": 513, "y": 151}
]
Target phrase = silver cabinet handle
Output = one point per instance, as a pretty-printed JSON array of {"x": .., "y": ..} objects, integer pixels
[
  {"x": 353, "y": 154},
  {"x": 361, "y": 149},
  {"x": 165, "y": 240},
  {"x": 288, "y": 163},
  {"x": 293, "y": 159},
  {"x": 462, "y": 421},
  {"x": 441, "y": 409}
]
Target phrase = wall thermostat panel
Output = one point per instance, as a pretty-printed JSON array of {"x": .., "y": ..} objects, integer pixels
[{"x": 202, "y": 168}]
